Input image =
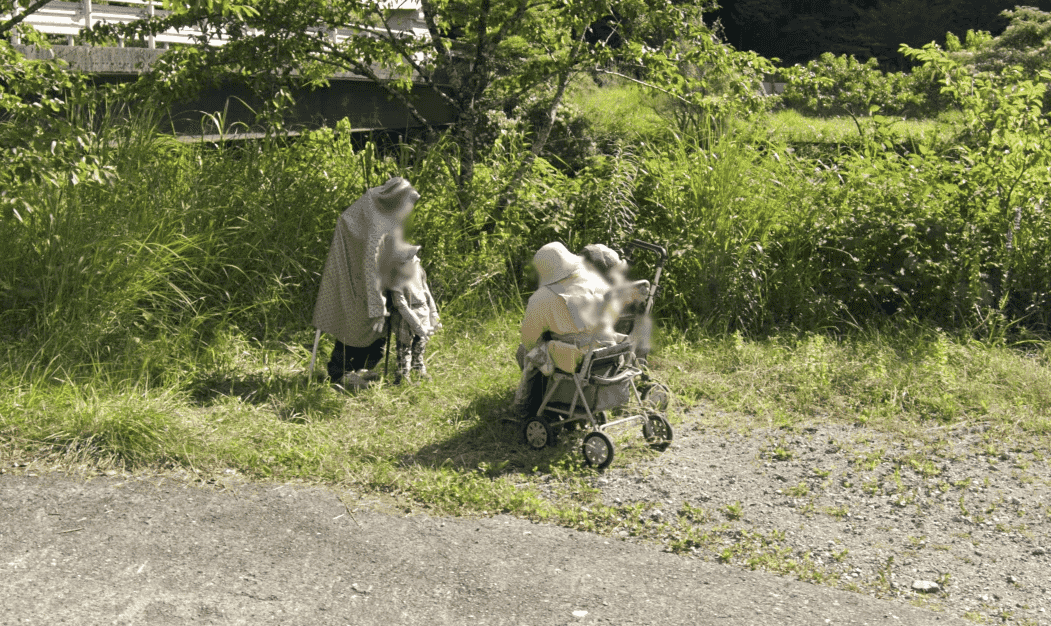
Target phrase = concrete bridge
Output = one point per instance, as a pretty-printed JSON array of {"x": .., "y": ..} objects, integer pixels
[{"x": 351, "y": 96}]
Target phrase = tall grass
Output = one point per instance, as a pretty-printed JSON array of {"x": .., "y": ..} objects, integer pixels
[
  {"x": 180, "y": 238},
  {"x": 722, "y": 207},
  {"x": 179, "y": 242}
]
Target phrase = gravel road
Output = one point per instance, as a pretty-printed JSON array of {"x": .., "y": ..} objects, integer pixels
[
  {"x": 952, "y": 520},
  {"x": 151, "y": 550}
]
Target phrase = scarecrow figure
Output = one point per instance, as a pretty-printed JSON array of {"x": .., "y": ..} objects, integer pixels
[
  {"x": 571, "y": 312},
  {"x": 416, "y": 316},
  {"x": 351, "y": 305}
]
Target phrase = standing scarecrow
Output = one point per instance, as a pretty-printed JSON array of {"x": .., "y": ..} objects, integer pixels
[{"x": 351, "y": 305}]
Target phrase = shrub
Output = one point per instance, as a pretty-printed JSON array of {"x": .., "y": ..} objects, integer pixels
[{"x": 831, "y": 85}]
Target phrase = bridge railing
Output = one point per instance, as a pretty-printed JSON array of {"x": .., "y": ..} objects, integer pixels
[{"x": 68, "y": 19}]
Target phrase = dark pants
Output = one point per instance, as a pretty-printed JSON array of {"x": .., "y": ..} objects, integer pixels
[
  {"x": 352, "y": 358},
  {"x": 537, "y": 388}
]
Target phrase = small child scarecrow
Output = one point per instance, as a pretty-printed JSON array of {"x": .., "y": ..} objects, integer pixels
[{"x": 415, "y": 317}]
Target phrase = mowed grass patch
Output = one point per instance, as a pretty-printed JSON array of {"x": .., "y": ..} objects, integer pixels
[
  {"x": 446, "y": 446},
  {"x": 792, "y": 127},
  {"x": 912, "y": 377}
]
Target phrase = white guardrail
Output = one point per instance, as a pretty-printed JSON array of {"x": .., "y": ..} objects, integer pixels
[{"x": 68, "y": 19}]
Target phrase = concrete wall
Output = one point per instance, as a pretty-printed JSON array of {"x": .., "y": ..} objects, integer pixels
[{"x": 364, "y": 103}]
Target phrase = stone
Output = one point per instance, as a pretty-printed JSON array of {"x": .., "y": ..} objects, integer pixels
[
  {"x": 1038, "y": 551},
  {"x": 925, "y": 586}
]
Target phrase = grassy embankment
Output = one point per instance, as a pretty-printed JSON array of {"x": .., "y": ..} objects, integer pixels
[
  {"x": 444, "y": 445},
  {"x": 161, "y": 319}
]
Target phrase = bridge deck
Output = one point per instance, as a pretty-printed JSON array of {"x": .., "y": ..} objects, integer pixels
[{"x": 350, "y": 96}]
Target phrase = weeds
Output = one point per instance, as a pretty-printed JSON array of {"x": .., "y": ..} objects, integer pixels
[
  {"x": 734, "y": 511},
  {"x": 839, "y": 512}
]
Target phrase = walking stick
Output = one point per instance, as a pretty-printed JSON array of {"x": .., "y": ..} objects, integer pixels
[{"x": 386, "y": 351}]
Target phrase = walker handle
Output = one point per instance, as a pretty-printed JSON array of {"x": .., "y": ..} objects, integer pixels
[{"x": 652, "y": 247}]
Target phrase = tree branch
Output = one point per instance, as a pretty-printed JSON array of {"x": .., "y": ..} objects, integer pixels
[
  {"x": 358, "y": 67},
  {"x": 396, "y": 42},
  {"x": 643, "y": 83},
  {"x": 19, "y": 18},
  {"x": 436, "y": 35},
  {"x": 402, "y": 50}
]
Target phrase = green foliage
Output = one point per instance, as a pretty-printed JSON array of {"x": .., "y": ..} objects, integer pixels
[
  {"x": 177, "y": 237},
  {"x": 120, "y": 237},
  {"x": 797, "y": 32},
  {"x": 42, "y": 146},
  {"x": 713, "y": 83},
  {"x": 1003, "y": 174},
  {"x": 483, "y": 59},
  {"x": 1025, "y": 43},
  {"x": 831, "y": 85}
]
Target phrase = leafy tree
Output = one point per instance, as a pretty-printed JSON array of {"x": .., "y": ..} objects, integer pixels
[
  {"x": 489, "y": 61},
  {"x": 1003, "y": 167},
  {"x": 1025, "y": 43},
  {"x": 831, "y": 85},
  {"x": 41, "y": 138}
]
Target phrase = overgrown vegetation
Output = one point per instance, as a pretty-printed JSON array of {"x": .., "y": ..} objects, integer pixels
[
  {"x": 249, "y": 407},
  {"x": 156, "y": 294}
]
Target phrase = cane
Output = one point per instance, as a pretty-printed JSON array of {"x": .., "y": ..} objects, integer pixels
[{"x": 390, "y": 328}]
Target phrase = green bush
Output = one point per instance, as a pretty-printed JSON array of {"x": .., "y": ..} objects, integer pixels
[{"x": 831, "y": 85}]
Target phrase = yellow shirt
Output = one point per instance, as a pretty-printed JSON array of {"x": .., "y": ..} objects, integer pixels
[{"x": 574, "y": 313}]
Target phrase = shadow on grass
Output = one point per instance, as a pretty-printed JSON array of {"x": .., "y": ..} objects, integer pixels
[
  {"x": 292, "y": 396},
  {"x": 492, "y": 443}
]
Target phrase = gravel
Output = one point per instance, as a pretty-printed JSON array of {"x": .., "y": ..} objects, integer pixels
[{"x": 950, "y": 519}]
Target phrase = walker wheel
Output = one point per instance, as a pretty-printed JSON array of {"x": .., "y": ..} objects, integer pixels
[
  {"x": 538, "y": 433},
  {"x": 598, "y": 449},
  {"x": 657, "y": 396},
  {"x": 658, "y": 431}
]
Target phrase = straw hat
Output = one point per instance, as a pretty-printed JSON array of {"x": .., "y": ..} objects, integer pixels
[{"x": 554, "y": 262}]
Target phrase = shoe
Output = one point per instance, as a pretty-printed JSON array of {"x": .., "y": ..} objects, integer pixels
[{"x": 352, "y": 381}]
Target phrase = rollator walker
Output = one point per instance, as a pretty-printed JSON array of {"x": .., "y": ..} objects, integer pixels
[{"x": 610, "y": 380}]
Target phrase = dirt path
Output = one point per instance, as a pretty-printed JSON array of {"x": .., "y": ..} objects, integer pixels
[
  {"x": 141, "y": 550},
  {"x": 957, "y": 520}
]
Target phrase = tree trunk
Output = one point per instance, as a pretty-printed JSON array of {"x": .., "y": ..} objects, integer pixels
[{"x": 510, "y": 190}]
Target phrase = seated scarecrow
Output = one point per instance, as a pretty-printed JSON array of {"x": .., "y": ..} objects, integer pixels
[{"x": 571, "y": 312}]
